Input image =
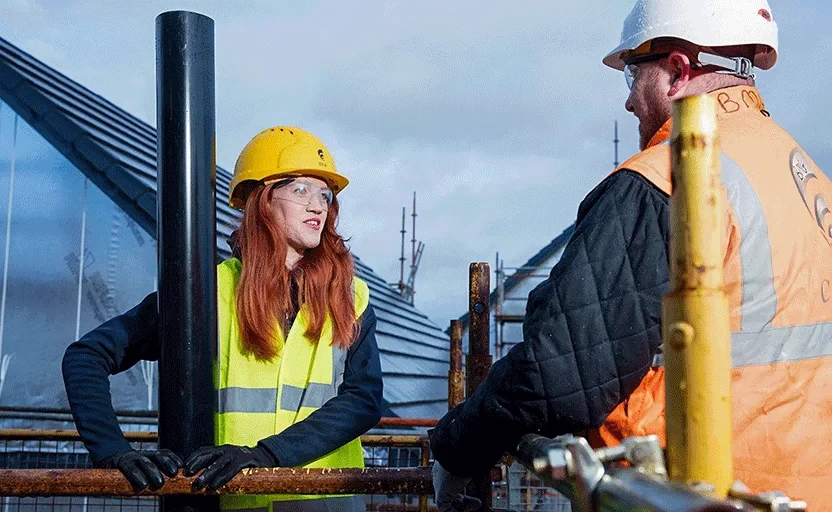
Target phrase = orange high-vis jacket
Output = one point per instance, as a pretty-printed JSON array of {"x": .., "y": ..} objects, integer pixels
[{"x": 778, "y": 279}]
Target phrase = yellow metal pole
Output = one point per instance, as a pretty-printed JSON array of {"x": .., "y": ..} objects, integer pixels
[{"x": 696, "y": 329}]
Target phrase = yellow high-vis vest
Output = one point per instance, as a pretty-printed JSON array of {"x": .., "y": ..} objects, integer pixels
[{"x": 257, "y": 399}]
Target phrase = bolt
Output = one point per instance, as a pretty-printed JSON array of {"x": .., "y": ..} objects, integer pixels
[{"x": 681, "y": 334}]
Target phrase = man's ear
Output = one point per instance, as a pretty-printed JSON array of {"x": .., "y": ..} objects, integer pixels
[{"x": 680, "y": 72}]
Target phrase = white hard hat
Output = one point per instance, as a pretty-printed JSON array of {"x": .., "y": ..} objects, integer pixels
[{"x": 704, "y": 23}]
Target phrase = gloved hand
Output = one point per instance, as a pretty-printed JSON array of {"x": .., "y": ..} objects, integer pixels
[
  {"x": 223, "y": 462},
  {"x": 449, "y": 492},
  {"x": 144, "y": 468}
]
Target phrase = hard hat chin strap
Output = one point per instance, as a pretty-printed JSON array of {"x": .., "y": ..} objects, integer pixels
[{"x": 741, "y": 67}]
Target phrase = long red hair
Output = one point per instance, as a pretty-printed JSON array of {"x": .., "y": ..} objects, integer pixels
[{"x": 264, "y": 296}]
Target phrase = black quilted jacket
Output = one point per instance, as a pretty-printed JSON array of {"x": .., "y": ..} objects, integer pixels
[{"x": 591, "y": 331}]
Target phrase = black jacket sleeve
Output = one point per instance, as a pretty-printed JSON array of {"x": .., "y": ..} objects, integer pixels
[
  {"x": 590, "y": 333},
  {"x": 353, "y": 411},
  {"x": 113, "y": 347}
]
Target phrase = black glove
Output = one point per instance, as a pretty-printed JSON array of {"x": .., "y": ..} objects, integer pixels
[
  {"x": 142, "y": 468},
  {"x": 223, "y": 462}
]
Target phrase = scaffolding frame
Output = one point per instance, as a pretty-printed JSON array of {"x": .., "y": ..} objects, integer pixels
[{"x": 500, "y": 317}]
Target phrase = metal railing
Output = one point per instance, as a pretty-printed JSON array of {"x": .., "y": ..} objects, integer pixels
[
  {"x": 39, "y": 470},
  {"x": 54, "y": 465}
]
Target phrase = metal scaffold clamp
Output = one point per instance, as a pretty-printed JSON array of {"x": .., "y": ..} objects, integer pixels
[
  {"x": 631, "y": 476},
  {"x": 774, "y": 501},
  {"x": 571, "y": 459}
]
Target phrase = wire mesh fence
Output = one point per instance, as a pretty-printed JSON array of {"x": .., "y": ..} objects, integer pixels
[
  {"x": 520, "y": 490},
  {"x": 393, "y": 457},
  {"x": 61, "y": 454}
]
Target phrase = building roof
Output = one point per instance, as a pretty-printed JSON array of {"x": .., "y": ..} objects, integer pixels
[
  {"x": 117, "y": 152},
  {"x": 535, "y": 261}
]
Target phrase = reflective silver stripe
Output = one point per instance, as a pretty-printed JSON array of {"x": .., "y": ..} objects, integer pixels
[
  {"x": 759, "y": 299},
  {"x": 758, "y": 343},
  {"x": 247, "y": 400},
  {"x": 781, "y": 345},
  {"x": 292, "y": 398},
  {"x": 339, "y": 362},
  {"x": 316, "y": 394}
]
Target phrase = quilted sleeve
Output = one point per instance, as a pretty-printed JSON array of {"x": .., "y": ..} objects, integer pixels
[{"x": 590, "y": 333}]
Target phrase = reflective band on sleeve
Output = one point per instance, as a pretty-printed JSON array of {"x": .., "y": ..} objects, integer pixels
[{"x": 315, "y": 395}]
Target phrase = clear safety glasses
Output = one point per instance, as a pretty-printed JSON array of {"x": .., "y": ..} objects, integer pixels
[
  {"x": 631, "y": 66},
  {"x": 302, "y": 193},
  {"x": 741, "y": 67}
]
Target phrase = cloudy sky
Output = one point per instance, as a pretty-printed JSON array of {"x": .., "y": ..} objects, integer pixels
[{"x": 498, "y": 114}]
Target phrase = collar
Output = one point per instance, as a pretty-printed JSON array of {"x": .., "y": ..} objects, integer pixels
[{"x": 731, "y": 101}]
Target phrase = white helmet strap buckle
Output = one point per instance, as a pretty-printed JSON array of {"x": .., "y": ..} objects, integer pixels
[{"x": 741, "y": 67}]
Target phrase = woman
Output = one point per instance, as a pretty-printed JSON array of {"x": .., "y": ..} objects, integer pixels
[{"x": 299, "y": 374}]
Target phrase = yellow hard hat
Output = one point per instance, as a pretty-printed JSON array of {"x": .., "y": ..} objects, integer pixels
[{"x": 282, "y": 151}]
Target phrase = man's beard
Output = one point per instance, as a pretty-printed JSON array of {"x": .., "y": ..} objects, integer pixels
[{"x": 648, "y": 127}]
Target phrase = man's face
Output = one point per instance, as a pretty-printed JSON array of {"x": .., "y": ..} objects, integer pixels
[{"x": 648, "y": 98}]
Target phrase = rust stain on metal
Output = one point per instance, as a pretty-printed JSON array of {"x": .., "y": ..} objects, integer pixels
[
  {"x": 110, "y": 482},
  {"x": 456, "y": 377},
  {"x": 690, "y": 141},
  {"x": 407, "y": 422},
  {"x": 399, "y": 441},
  {"x": 424, "y": 461},
  {"x": 479, "y": 357}
]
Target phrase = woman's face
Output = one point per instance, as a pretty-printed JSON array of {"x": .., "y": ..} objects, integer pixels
[{"x": 301, "y": 208}]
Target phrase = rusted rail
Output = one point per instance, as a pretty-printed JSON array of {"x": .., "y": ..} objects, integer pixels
[
  {"x": 456, "y": 377},
  {"x": 402, "y": 441},
  {"x": 149, "y": 417},
  {"x": 479, "y": 315},
  {"x": 394, "y": 441},
  {"x": 479, "y": 354},
  {"x": 407, "y": 422},
  {"x": 110, "y": 482},
  {"x": 424, "y": 462}
]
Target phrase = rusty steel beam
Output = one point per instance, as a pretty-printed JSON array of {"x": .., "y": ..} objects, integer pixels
[
  {"x": 149, "y": 437},
  {"x": 396, "y": 441},
  {"x": 479, "y": 354},
  {"x": 456, "y": 377},
  {"x": 407, "y": 422},
  {"x": 110, "y": 482},
  {"x": 479, "y": 313}
]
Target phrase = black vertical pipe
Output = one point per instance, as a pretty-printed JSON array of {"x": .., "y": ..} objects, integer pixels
[
  {"x": 186, "y": 220},
  {"x": 478, "y": 362}
]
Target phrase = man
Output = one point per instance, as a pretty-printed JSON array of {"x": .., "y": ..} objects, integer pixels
[{"x": 590, "y": 362}]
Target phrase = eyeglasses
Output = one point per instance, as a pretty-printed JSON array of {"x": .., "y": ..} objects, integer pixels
[
  {"x": 303, "y": 193},
  {"x": 631, "y": 66}
]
